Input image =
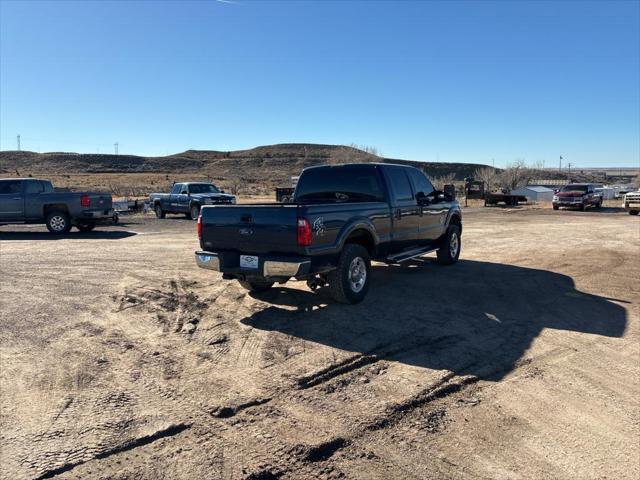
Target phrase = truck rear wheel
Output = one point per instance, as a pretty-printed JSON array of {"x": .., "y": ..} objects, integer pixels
[
  {"x": 349, "y": 282},
  {"x": 633, "y": 212},
  {"x": 159, "y": 212},
  {"x": 58, "y": 222},
  {"x": 449, "y": 252},
  {"x": 556, "y": 207},
  {"x": 256, "y": 285}
]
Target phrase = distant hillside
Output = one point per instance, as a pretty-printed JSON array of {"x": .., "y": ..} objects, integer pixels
[{"x": 266, "y": 166}]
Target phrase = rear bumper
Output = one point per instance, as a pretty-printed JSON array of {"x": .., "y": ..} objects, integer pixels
[
  {"x": 268, "y": 266},
  {"x": 95, "y": 216}
]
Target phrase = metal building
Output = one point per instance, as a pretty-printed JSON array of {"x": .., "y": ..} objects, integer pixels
[{"x": 535, "y": 194}]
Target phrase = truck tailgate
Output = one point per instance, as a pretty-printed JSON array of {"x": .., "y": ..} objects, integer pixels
[
  {"x": 99, "y": 200},
  {"x": 256, "y": 228}
]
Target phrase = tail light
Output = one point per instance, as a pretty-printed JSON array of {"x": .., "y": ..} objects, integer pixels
[
  {"x": 304, "y": 232},
  {"x": 199, "y": 226},
  {"x": 84, "y": 201}
]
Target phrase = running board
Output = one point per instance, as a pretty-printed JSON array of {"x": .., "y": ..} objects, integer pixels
[{"x": 409, "y": 254}]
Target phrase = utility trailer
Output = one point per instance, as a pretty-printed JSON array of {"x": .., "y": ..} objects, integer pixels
[{"x": 506, "y": 198}]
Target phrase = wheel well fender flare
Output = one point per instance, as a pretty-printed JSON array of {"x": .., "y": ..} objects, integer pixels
[{"x": 360, "y": 228}]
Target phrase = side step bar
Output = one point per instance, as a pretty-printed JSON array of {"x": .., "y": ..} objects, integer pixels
[{"x": 409, "y": 254}]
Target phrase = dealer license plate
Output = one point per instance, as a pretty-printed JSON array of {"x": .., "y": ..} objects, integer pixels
[{"x": 248, "y": 261}]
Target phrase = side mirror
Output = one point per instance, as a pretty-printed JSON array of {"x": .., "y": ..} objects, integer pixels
[
  {"x": 221, "y": 191},
  {"x": 422, "y": 199},
  {"x": 450, "y": 192}
]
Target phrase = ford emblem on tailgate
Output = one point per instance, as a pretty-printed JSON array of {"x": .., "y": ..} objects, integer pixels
[{"x": 246, "y": 231}]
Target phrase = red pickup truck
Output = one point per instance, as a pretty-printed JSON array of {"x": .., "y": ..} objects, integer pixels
[{"x": 577, "y": 195}]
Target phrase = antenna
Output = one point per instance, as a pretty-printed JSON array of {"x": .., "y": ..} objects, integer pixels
[
  {"x": 115, "y": 146},
  {"x": 18, "y": 138}
]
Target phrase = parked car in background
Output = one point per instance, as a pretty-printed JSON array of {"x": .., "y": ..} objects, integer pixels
[
  {"x": 577, "y": 195},
  {"x": 340, "y": 218},
  {"x": 632, "y": 202},
  {"x": 187, "y": 198},
  {"x": 31, "y": 200}
]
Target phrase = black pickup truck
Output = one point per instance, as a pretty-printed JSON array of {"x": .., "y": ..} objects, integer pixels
[
  {"x": 31, "y": 200},
  {"x": 341, "y": 217}
]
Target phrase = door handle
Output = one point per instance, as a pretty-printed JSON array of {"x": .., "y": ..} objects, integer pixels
[
  {"x": 398, "y": 213},
  {"x": 16, "y": 198}
]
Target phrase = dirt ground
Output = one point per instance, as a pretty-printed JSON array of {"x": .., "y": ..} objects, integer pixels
[{"x": 120, "y": 359}]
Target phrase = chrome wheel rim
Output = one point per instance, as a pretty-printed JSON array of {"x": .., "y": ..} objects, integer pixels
[
  {"x": 454, "y": 244},
  {"x": 357, "y": 274},
  {"x": 57, "y": 223}
]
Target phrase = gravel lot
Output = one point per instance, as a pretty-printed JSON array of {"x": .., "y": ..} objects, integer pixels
[{"x": 120, "y": 359}]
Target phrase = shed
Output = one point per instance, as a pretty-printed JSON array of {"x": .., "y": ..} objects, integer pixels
[{"x": 535, "y": 194}]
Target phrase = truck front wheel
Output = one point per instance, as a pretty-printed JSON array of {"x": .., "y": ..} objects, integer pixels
[
  {"x": 449, "y": 252},
  {"x": 58, "y": 222},
  {"x": 194, "y": 211},
  {"x": 349, "y": 282},
  {"x": 159, "y": 212},
  {"x": 256, "y": 285}
]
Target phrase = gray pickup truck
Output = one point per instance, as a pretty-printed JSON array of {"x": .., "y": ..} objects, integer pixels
[
  {"x": 187, "y": 198},
  {"x": 31, "y": 200}
]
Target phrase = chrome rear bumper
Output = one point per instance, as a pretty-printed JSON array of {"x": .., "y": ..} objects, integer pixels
[{"x": 268, "y": 266}]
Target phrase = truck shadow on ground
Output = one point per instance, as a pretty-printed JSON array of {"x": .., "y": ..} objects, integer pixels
[
  {"x": 474, "y": 318},
  {"x": 73, "y": 235}
]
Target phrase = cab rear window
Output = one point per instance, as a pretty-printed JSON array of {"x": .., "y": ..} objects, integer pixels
[{"x": 344, "y": 183}]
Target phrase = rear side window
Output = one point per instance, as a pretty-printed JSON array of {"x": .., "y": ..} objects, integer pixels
[
  {"x": 10, "y": 187},
  {"x": 349, "y": 183},
  {"x": 34, "y": 187},
  {"x": 420, "y": 181},
  {"x": 400, "y": 183},
  {"x": 176, "y": 189}
]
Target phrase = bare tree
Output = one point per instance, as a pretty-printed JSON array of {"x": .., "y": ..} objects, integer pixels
[
  {"x": 440, "y": 181},
  {"x": 517, "y": 174},
  {"x": 488, "y": 176},
  {"x": 366, "y": 148}
]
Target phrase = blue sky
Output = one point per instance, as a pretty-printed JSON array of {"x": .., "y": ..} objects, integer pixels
[{"x": 450, "y": 81}]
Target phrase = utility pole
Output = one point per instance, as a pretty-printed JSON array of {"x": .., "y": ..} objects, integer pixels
[
  {"x": 115, "y": 146},
  {"x": 569, "y": 174},
  {"x": 18, "y": 137},
  {"x": 560, "y": 167}
]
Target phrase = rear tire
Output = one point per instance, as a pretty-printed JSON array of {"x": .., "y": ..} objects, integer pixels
[
  {"x": 449, "y": 252},
  {"x": 556, "y": 207},
  {"x": 159, "y": 212},
  {"x": 633, "y": 212},
  {"x": 349, "y": 282},
  {"x": 86, "y": 227},
  {"x": 256, "y": 286},
  {"x": 58, "y": 222}
]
